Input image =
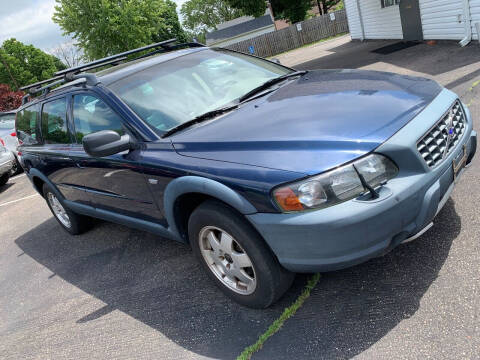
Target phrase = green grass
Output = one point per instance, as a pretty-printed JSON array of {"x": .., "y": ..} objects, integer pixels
[
  {"x": 278, "y": 323},
  {"x": 475, "y": 84}
]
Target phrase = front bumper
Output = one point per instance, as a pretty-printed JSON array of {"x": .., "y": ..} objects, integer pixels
[{"x": 355, "y": 231}]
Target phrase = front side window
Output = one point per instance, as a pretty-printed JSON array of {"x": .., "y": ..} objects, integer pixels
[
  {"x": 7, "y": 121},
  {"x": 90, "y": 114},
  {"x": 54, "y": 121},
  {"x": 27, "y": 129},
  {"x": 170, "y": 93}
]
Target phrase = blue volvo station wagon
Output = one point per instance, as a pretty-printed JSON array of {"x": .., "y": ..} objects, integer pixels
[{"x": 263, "y": 170}]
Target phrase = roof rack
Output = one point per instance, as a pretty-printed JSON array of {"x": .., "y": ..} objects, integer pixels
[
  {"x": 101, "y": 62},
  {"x": 67, "y": 75}
]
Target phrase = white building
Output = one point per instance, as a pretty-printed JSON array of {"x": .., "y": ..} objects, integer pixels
[{"x": 413, "y": 19}]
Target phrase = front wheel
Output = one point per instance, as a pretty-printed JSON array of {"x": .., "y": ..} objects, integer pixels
[{"x": 235, "y": 257}]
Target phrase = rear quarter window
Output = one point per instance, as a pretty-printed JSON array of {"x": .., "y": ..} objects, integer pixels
[{"x": 27, "y": 126}]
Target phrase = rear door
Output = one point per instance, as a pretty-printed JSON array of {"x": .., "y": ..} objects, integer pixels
[
  {"x": 55, "y": 161},
  {"x": 114, "y": 183}
]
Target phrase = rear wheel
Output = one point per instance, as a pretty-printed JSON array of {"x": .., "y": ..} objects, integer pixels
[
  {"x": 16, "y": 168},
  {"x": 73, "y": 223},
  {"x": 235, "y": 257},
  {"x": 4, "y": 178}
]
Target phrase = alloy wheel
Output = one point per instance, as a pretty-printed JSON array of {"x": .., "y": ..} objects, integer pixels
[
  {"x": 58, "y": 210},
  {"x": 227, "y": 260}
]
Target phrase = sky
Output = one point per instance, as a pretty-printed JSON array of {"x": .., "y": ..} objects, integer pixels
[{"x": 30, "y": 21}]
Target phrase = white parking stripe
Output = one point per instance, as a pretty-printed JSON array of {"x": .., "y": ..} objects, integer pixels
[{"x": 14, "y": 201}]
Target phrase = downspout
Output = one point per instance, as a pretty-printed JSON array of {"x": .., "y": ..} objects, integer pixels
[
  {"x": 468, "y": 26},
  {"x": 359, "y": 9}
]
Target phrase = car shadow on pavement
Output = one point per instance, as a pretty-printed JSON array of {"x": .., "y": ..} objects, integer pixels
[
  {"x": 153, "y": 280},
  {"x": 5, "y": 187},
  {"x": 159, "y": 283}
]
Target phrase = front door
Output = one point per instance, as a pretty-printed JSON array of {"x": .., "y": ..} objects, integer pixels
[
  {"x": 411, "y": 20},
  {"x": 114, "y": 183}
]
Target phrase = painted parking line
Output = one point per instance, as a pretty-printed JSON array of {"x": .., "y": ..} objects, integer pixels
[{"x": 14, "y": 201}]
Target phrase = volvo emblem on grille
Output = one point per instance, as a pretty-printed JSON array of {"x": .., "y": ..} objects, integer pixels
[{"x": 450, "y": 131}]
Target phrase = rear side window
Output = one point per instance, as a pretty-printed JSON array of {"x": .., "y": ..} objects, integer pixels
[
  {"x": 54, "y": 121},
  {"x": 27, "y": 129},
  {"x": 90, "y": 114}
]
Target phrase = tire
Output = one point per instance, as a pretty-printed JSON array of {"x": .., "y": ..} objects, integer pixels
[
  {"x": 17, "y": 168},
  {"x": 265, "y": 280},
  {"x": 4, "y": 178},
  {"x": 71, "y": 222}
]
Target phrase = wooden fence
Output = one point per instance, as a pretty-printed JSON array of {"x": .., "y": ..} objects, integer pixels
[{"x": 294, "y": 36}]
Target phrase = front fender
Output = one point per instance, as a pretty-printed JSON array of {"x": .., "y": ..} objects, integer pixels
[{"x": 200, "y": 185}]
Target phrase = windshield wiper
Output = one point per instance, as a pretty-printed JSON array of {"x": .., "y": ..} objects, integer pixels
[
  {"x": 269, "y": 83},
  {"x": 200, "y": 118}
]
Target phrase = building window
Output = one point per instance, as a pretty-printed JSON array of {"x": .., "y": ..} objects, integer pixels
[{"x": 386, "y": 3}]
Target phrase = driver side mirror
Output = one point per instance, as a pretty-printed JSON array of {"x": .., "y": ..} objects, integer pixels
[{"x": 106, "y": 143}]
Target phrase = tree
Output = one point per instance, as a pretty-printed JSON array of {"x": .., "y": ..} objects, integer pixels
[
  {"x": 9, "y": 100},
  {"x": 325, "y": 5},
  {"x": 103, "y": 28},
  {"x": 254, "y": 8},
  {"x": 22, "y": 64},
  {"x": 291, "y": 10},
  {"x": 69, "y": 54},
  {"x": 201, "y": 16}
]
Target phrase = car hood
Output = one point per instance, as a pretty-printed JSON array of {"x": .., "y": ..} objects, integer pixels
[{"x": 313, "y": 123}]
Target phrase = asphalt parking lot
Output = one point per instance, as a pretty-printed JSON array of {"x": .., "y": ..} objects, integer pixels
[{"x": 118, "y": 293}]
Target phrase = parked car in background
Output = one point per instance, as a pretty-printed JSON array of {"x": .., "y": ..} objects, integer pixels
[
  {"x": 263, "y": 170},
  {"x": 6, "y": 163},
  {"x": 8, "y": 137}
]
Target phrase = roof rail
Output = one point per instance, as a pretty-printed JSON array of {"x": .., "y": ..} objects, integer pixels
[
  {"x": 34, "y": 88},
  {"x": 170, "y": 48},
  {"x": 40, "y": 83},
  {"x": 67, "y": 75}
]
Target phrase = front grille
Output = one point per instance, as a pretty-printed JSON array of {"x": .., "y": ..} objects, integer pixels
[{"x": 439, "y": 141}]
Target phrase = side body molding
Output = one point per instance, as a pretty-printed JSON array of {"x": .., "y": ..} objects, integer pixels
[
  {"x": 176, "y": 188},
  {"x": 200, "y": 185}
]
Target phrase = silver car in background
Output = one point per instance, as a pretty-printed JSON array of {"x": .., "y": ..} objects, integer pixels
[
  {"x": 7, "y": 159},
  {"x": 8, "y": 137}
]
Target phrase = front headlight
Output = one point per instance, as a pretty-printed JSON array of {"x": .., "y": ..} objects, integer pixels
[{"x": 336, "y": 186}]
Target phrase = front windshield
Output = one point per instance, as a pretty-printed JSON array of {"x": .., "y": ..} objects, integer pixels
[
  {"x": 7, "y": 121},
  {"x": 171, "y": 93}
]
